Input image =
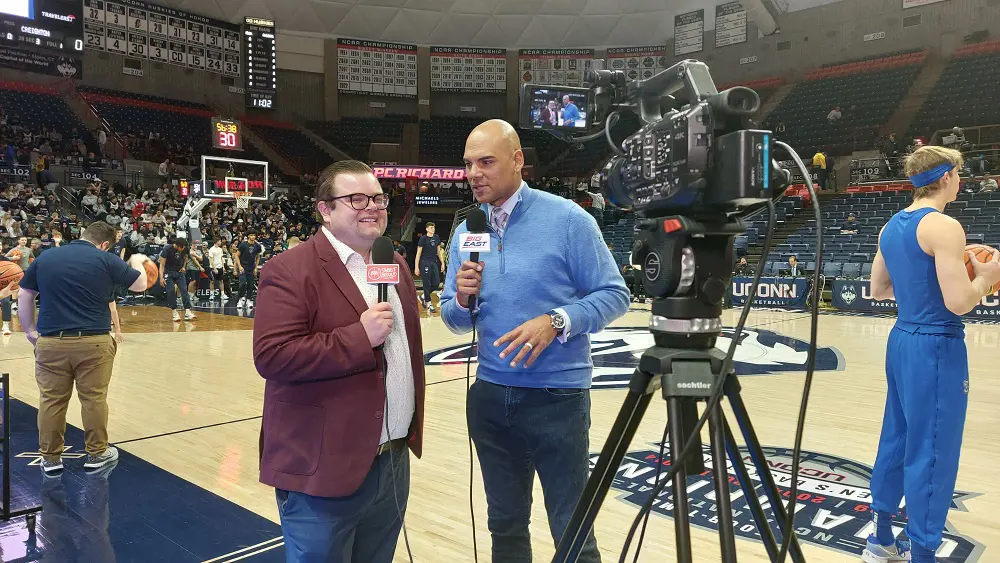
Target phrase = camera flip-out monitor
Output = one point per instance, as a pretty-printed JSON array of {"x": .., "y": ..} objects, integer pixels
[{"x": 556, "y": 107}]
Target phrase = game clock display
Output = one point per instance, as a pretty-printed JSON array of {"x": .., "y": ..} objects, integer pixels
[
  {"x": 226, "y": 135},
  {"x": 261, "y": 57}
]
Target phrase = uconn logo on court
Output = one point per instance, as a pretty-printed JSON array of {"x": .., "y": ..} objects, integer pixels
[
  {"x": 615, "y": 353},
  {"x": 834, "y": 499}
]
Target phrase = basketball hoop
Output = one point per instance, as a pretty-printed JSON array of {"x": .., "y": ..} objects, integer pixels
[{"x": 242, "y": 199}]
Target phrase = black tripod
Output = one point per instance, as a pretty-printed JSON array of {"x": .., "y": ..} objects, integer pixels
[{"x": 687, "y": 267}]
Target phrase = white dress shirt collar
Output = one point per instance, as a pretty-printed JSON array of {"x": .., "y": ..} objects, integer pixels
[
  {"x": 345, "y": 252},
  {"x": 509, "y": 205}
]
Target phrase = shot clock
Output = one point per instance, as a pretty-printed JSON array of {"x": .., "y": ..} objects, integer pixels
[{"x": 226, "y": 134}]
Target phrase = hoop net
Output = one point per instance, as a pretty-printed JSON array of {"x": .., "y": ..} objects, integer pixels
[{"x": 242, "y": 199}]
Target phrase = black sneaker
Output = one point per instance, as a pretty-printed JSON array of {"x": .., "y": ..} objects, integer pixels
[
  {"x": 96, "y": 462},
  {"x": 52, "y": 468}
]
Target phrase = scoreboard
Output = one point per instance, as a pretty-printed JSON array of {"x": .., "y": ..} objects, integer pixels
[
  {"x": 44, "y": 36},
  {"x": 261, "y": 57},
  {"x": 226, "y": 134}
]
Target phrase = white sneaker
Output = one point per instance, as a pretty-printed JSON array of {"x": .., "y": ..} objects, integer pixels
[
  {"x": 95, "y": 462},
  {"x": 6, "y": 328},
  {"x": 241, "y": 303},
  {"x": 224, "y": 297},
  {"x": 189, "y": 315},
  {"x": 250, "y": 304},
  {"x": 177, "y": 317}
]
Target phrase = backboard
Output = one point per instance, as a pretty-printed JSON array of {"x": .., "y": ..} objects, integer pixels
[{"x": 221, "y": 176}]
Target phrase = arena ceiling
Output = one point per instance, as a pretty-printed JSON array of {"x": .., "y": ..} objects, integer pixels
[{"x": 478, "y": 23}]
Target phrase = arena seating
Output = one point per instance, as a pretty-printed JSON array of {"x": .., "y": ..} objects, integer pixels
[
  {"x": 179, "y": 123},
  {"x": 442, "y": 139},
  {"x": 546, "y": 144},
  {"x": 867, "y": 92},
  {"x": 354, "y": 135},
  {"x": 582, "y": 161},
  {"x": 39, "y": 106},
  {"x": 141, "y": 97},
  {"x": 871, "y": 58},
  {"x": 850, "y": 255},
  {"x": 763, "y": 86},
  {"x": 963, "y": 95},
  {"x": 290, "y": 143}
]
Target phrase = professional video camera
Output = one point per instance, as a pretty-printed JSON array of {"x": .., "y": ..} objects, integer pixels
[{"x": 690, "y": 172}]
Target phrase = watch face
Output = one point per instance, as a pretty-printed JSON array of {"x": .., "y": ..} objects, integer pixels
[{"x": 558, "y": 322}]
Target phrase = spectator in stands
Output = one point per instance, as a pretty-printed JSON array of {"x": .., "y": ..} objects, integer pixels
[
  {"x": 164, "y": 169},
  {"x": 819, "y": 168},
  {"x": 743, "y": 268},
  {"x": 834, "y": 116},
  {"x": 851, "y": 226},
  {"x": 988, "y": 184},
  {"x": 102, "y": 139}
]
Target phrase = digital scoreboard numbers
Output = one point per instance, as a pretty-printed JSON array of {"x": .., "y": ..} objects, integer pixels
[
  {"x": 42, "y": 36},
  {"x": 226, "y": 134},
  {"x": 261, "y": 57}
]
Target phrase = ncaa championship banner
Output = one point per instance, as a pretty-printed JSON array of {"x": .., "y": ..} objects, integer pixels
[
  {"x": 856, "y": 295},
  {"x": 792, "y": 293}
]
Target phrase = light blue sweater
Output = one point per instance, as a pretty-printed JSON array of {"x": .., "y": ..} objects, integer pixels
[{"x": 552, "y": 255}]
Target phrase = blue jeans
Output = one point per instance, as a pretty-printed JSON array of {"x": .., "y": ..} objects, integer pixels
[
  {"x": 360, "y": 528},
  {"x": 519, "y": 431},
  {"x": 430, "y": 274},
  {"x": 178, "y": 280},
  {"x": 248, "y": 285}
]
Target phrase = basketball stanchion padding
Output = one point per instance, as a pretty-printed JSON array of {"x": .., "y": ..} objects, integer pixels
[
  {"x": 983, "y": 254},
  {"x": 10, "y": 273}
]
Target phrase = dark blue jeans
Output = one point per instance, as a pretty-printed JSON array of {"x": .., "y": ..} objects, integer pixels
[
  {"x": 180, "y": 281},
  {"x": 519, "y": 431},
  {"x": 430, "y": 276},
  {"x": 360, "y": 528}
]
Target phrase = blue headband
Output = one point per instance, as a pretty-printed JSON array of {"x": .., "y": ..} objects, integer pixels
[{"x": 928, "y": 177}]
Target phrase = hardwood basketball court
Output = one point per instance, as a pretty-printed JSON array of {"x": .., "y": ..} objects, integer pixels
[{"x": 186, "y": 402}]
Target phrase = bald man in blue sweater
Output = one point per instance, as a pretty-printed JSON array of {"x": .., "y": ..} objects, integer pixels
[{"x": 549, "y": 282}]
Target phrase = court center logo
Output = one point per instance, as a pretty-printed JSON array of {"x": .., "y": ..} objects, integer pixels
[
  {"x": 615, "y": 353},
  {"x": 833, "y": 508}
]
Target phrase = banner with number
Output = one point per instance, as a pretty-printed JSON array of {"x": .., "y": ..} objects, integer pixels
[
  {"x": 468, "y": 69},
  {"x": 165, "y": 35},
  {"x": 638, "y": 63},
  {"x": 689, "y": 33},
  {"x": 730, "y": 24},
  {"x": 376, "y": 67},
  {"x": 556, "y": 67},
  {"x": 792, "y": 293}
]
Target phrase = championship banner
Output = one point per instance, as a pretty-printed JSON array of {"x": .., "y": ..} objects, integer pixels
[
  {"x": 468, "y": 69},
  {"x": 638, "y": 63},
  {"x": 730, "y": 24},
  {"x": 556, "y": 67},
  {"x": 855, "y": 295},
  {"x": 376, "y": 67},
  {"x": 41, "y": 63},
  {"x": 440, "y": 173},
  {"x": 792, "y": 293},
  {"x": 689, "y": 33},
  {"x": 16, "y": 171}
]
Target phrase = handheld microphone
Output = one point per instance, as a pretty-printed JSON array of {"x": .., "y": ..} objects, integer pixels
[
  {"x": 383, "y": 270},
  {"x": 475, "y": 241}
]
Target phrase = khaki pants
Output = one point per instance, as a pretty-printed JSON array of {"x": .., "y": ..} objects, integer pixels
[{"x": 59, "y": 361}]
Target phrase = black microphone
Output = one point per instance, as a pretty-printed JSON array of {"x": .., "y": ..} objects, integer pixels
[
  {"x": 475, "y": 221},
  {"x": 382, "y": 253}
]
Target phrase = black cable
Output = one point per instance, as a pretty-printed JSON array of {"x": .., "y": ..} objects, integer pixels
[
  {"x": 392, "y": 461},
  {"x": 810, "y": 358},
  {"x": 607, "y": 132},
  {"x": 659, "y": 468},
  {"x": 713, "y": 401},
  {"x": 468, "y": 387}
]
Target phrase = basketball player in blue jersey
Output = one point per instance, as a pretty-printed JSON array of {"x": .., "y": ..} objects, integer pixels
[{"x": 920, "y": 262}]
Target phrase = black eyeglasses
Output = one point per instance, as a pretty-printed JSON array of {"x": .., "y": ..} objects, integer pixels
[{"x": 360, "y": 201}]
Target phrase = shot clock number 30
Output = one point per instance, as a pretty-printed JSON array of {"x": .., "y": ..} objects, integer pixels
[{"x": 226, "y": 135}]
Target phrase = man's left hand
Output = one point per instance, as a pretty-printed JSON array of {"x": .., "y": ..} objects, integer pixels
[
  {"x": 531, "y": 337},
  {"x": 32, "y": 337}
]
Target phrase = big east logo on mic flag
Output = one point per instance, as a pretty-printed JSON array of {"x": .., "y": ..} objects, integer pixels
[
  {"x": 382, "y": 273},
  {"x": 474, "y": 242}
]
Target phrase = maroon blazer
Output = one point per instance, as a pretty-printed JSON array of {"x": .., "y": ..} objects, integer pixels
[{"x": 325, "y": 394}]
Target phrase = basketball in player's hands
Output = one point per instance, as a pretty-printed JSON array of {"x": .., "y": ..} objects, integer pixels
[
  {"x": 983, "y": 254},
  {"x": 10, "y": 274}
]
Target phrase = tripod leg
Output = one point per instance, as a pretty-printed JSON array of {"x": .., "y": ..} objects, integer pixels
[
  {"x": 760, "y": 462},
  {"x": 750, "y": 494},
  {"x": 682, "y": 527},
  {"x": 724, "y": 509},
  {"x": 641, "y": 388}
]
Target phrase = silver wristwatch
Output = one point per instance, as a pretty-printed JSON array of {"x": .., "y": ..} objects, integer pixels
[{"x": 558, "y": 321}]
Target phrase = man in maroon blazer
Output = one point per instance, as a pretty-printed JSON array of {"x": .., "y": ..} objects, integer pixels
[{"x": 345, "y": 381}]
